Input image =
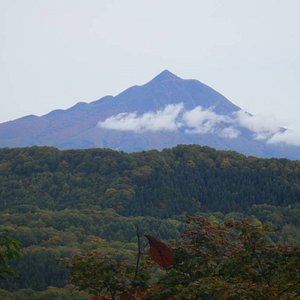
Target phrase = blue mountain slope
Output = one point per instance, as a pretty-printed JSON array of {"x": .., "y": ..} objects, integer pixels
[
  {"x": 167, "y": 88},
  {"x": 141, "y": 107}
]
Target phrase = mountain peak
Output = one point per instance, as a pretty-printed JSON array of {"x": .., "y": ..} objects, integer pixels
[
  {"x": 165, "y": 75},
  {"x": 161, "y": 113}
]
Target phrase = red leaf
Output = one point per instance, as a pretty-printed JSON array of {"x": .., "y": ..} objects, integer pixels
[{"x": 160, "y": 252}]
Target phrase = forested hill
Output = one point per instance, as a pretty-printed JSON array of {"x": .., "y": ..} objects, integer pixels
[{"x": 173, "y": 181}]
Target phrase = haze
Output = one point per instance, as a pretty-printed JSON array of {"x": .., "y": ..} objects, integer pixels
[{"x": 54, "y": 54}]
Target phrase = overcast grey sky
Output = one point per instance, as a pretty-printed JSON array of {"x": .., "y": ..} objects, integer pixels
[{"x": 54, "y": 53}]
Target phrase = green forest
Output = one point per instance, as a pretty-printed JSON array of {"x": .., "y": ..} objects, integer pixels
[{"x": 61, "y": 204}]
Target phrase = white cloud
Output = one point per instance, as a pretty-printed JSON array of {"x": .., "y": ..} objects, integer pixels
[
  {"x": 197, "y": 121},
  {"x": 203, "y": 121},
  {"x": 262, "y": 127},
  {"x": 289, "y": 136},
  {"x": 229, "y": 132},
  {"x": 161, "y": 120},
  {"x": 268, "y": 129}
]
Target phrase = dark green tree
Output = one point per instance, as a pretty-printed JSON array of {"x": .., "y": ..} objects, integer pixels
[
  {"x": 9, "y": 250},
  {"x": 231, "y": 260}
]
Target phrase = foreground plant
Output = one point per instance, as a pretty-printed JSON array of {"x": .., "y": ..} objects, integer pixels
[
  {"x": 230, "y": 260},
  {"x": 106, "y": 275}
]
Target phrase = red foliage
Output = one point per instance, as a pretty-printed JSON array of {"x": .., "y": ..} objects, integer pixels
[{"x": 160, "y": 252}]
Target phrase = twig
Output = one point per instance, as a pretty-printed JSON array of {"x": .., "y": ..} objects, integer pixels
[{"x": 138, "y": 254}]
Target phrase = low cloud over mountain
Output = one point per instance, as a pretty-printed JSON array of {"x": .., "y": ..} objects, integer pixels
[
  {"x": 160, "y": 120},
  {"x": 201, "y": 121}
]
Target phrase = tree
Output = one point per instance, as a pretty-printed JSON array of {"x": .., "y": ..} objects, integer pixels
[
  {"x": 108, "y": 276},
  {"x": 9, "y": 250},
  {"x": 213, "y": 260},
  {"x": 230, "y": 260}
]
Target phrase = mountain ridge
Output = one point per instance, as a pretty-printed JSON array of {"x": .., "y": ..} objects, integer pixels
[{"x": 161, "y": 113}]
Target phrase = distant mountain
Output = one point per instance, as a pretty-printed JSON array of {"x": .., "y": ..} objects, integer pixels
[{"x": 162, "y": 113}]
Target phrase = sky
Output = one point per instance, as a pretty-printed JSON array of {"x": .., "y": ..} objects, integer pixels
[{"x": 55, "y": 53}]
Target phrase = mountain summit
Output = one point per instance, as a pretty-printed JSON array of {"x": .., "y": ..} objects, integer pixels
[
  {"x": 164, "y": 112},
  {"x": 166, "y": 75}
]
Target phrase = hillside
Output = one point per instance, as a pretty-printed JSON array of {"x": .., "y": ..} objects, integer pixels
[
  {"x": 174, "y": 181},
  {"x": 60, "y": 203}
]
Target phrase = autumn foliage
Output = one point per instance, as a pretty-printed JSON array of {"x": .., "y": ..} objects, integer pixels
[
  {"x": 160, "y": 252},
  {"x": 229, "y": 260}
]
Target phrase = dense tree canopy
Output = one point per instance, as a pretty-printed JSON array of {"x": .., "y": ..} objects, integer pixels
[
  {"x": 166, "y": 183},
  {"x": 9, "y": 250},
  {"x": 230, "y": 260},
  {"x": 65, "y": 203}
]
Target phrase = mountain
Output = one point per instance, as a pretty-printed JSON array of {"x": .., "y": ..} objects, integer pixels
[{"x": 162, "y": 113}]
